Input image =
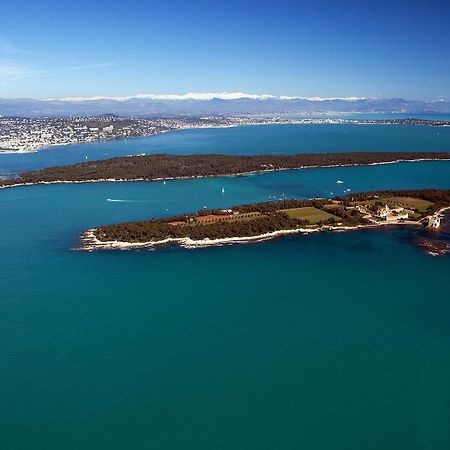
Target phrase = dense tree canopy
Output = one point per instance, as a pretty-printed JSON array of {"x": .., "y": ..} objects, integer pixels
[
  {"x": 267, "y": 217},
  {"x": 151, "y": 167}
]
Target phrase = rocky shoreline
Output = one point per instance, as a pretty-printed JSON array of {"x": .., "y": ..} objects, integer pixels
[{"x": 89, "y": 241}]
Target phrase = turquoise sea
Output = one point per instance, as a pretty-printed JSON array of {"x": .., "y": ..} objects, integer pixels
[
  {"x": 245, "y": 140},
  {"x": 332, "y": 341}
]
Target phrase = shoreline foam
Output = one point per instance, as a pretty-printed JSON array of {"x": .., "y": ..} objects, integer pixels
[{"x": 89, "y": 242}]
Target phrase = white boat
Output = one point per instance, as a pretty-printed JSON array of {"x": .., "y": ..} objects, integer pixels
[{"x": 339, "y": 182}]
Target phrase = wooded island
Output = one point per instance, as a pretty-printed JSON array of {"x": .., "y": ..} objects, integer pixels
[
  {"x": 264, "y": 220},
  {"x": 163, "y": 166}
]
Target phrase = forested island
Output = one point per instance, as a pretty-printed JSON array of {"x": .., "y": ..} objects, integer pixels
[
  {"x": 163, "y": 166},
  {"x": 260, "y": 221}
]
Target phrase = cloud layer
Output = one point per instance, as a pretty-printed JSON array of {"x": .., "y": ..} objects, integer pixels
[{"x": 205, "y": 96}]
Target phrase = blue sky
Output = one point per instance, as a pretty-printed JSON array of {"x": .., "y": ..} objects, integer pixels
[{"x": 54, "y": 49}]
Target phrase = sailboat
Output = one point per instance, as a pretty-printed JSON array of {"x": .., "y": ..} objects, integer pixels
[{"x": 223, "y": 190}]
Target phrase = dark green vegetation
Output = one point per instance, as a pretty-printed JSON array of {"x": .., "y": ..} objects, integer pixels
[
  {"x": 260, "y": 218},
  {"x": 242, "y": 220},
  {"x": 146, "y": 231},
  {"x": 151, "y": 167}
]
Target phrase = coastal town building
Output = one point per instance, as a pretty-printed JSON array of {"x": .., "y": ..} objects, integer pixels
[
  {"x": 392, "y": 214},
  {"x": 27, "y": 134},
  {"x": 18, "y": 134},
  {"x": 22, "y": 134}
]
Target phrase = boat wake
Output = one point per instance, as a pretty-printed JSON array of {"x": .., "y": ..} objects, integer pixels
[{"x": 118, "y": 200}]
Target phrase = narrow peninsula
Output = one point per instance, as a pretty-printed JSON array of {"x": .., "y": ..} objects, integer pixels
[
  {"x": 261, "y": 221},
  {"x": 164, "y": 167}
]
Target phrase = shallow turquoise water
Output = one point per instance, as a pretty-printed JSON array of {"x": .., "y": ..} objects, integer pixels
[
  {"x": 250, "y": 140},
  {"x": 333, "y": 341}
]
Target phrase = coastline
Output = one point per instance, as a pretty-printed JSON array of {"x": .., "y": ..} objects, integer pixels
[
  {"x": 46, "y": 146},
  {"x": 89, "y": 241},
  {"x": 49, "y": 146},
  {"x": 300, "y": 121},
  {"x": 238, "y": 174}
]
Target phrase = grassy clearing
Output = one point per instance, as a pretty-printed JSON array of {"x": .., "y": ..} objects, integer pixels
[
  {"x": 311, "y": 214},
  {"x": 410, "y": 203},
  {"x": 404, "y": 202}
]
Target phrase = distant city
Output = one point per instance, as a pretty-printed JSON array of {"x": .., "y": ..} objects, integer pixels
[
  {"x": 19, "y": 134},
  {"x": 30, "y": 134}
]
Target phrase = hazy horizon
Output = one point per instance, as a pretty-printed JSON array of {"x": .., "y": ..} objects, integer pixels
[
  {"x": 55, "y": 50},
  {"x": 205, "y": 96}
]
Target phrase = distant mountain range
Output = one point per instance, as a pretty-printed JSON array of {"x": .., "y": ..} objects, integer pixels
[{"x": 214, "y": 104}]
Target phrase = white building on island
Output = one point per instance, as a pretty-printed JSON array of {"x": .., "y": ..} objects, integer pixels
[
  {"x": 392, "y": 214},
  {"x": 434, "y": 221}
]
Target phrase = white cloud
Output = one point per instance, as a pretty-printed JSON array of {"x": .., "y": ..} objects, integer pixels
[
  {"x": 90, "y": 66},
  {"x": 6, "y": 48},
  {"x": 188, "y": 96},
  {"x": 207, "y": 96},
  {"x": 9, "y": 70},
  {"x": 348, "y": 99},
  {"x": 12, "y": 70}
]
